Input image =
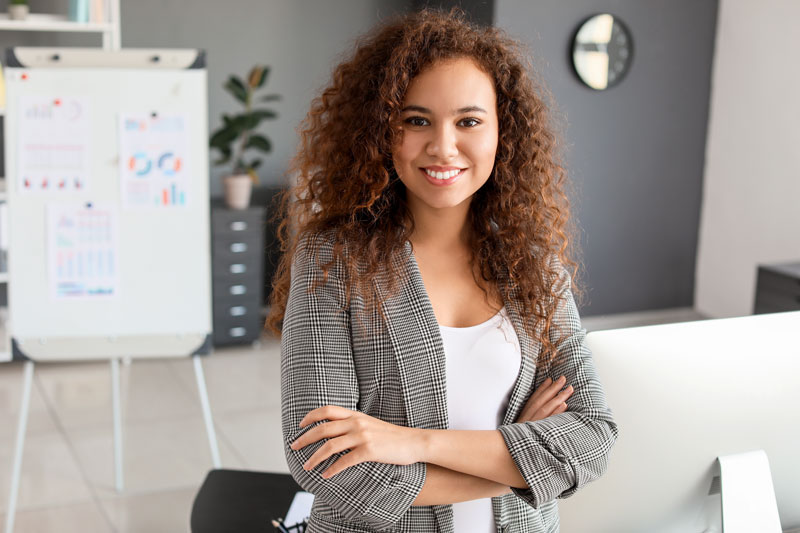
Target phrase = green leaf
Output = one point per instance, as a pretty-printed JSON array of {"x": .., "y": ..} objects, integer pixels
[
  {"x": 255, "y": 163},
  {"x": 259, "y": 142},
  {"x": 264, "y": 74},
  {"x": 270, "y": 98},
  {"x": 258, "y": 75},
  {"x": 236, "y": 87},
  {"x": 224, "y": 136},
  {"x": 225, "y": 157}
]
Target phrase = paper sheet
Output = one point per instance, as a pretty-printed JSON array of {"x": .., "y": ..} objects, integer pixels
[
  {"x": 300, "y": 509},
  {"x": 54, "y": 144},
  {"x": 154, "y": 162},
  {"x": 83, "y": 252}
]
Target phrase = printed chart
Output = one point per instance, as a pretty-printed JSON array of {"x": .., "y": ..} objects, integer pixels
[
  {"x": 83, "y": 251},
  {"x": 54, "y": 144},
  {"x": 153, "y": 165}
]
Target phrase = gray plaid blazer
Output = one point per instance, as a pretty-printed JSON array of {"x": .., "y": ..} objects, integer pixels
[{"x": 394, "y": 369}]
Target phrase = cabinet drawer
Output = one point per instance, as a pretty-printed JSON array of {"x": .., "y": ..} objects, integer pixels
[
  {"x": 237, "y": 330},
  {"x": 768, "y": 301},
  {"x": 230, "y": 221},
  {"x": 777, "y": 282},
  {"x": 233, "y": 289}
]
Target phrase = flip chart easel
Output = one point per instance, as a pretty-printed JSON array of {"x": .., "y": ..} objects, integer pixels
[{"x": 107, "y": 179}]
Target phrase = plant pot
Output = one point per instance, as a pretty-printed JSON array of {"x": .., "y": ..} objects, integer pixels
[
  {"x": 18, "y": 11},
  {"x": 237, "y": 190}
]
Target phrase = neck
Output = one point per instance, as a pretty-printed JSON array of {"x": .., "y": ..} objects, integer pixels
[{"x": 441, "y": 229}]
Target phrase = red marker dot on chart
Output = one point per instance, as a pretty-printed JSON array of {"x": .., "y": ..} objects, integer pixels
[
  {"x": 62, "y": 183},
  {"x": 44, "y": 183},
  {"x": 24, "y": 76},
  {"x": 77, "y": 184},
  {"x": 27, "y": 183},
  {"x": 57, "y": 102}
]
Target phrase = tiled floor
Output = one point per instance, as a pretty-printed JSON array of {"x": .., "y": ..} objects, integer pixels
[{"x": 67, "y": 479}]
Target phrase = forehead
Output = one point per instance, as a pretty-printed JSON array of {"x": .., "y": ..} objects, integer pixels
[{"x": 451, "y": 84}]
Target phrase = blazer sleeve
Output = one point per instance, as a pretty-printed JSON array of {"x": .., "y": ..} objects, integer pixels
[
  {"x": 317, "y": 368},
  {"x": 559, "y": 454}
]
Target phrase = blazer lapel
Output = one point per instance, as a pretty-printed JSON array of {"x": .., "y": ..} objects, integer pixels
[
  {"x": 530, "y": 350},
  {"x": 418, "y": 349}
]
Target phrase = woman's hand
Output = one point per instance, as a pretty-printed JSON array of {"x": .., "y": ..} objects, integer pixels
[
  {"x": 546, "y": 400},
  {"x": 367, "y": 438}
]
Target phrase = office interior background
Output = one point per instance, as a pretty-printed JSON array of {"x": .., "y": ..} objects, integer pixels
[{"x": 685, "y": 179}]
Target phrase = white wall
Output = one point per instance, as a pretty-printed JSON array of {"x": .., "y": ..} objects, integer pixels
[{"x": 751, "y": 197}]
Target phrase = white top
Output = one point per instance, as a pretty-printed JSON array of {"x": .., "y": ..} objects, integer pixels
[{"x": 483, "y": 362}]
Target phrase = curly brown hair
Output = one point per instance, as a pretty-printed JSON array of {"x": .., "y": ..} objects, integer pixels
[{"x": 347, "y": 184}]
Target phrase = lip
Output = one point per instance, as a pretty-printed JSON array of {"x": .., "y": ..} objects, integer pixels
[
  {"x": 442, "y": 183},
  {"x": 435, "y": 168}
]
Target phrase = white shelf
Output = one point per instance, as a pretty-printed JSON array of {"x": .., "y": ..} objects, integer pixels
[{"x": 47, "y": 22}]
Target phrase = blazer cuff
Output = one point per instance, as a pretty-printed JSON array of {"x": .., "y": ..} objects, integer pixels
[
  {"x": 547, "y": 474},
  {"x": 388, "y": 508}
]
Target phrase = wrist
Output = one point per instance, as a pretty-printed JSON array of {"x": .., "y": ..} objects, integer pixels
[{"x": 424, "y": 438}]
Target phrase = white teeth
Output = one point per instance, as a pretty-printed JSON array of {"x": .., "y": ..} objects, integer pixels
[{"x": 442, "y": 175}]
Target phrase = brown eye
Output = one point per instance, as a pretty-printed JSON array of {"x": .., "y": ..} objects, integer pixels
[
  {"x": 416, "y": 121},
  {"x": 470, "y": 122}
]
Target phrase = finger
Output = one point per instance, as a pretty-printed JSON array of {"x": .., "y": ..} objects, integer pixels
[
  {"x": 544, "y": 393},
  {"x": 322, "y": 431},
  {"x": 551, "y": 406},
  {"x": 344, "y": 462},
  {"x": 560, "y": 409},
  {"x": 556, "y": 386},
  {"x": 328, "y": 449},
  {"x": 326, "y": 412},
  {"x": 541, "y": 388}
]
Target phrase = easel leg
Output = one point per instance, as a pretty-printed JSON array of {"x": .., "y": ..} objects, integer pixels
[
  {"x": 22, "y": 424},
  {"x": 115, "y": 405},
  {"x": 201, "y": 388}
]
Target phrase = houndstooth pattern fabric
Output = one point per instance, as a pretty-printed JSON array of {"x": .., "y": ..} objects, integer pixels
[{"x": 393, "y": 368}]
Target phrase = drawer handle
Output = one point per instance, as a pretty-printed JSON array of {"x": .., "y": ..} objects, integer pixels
[
  {"x": 239, "y": 247},
  {"x": 238, "y": 332},
  {"x": 238, "y": 289},
  {"x": 238, "y": 310},
  {"x": 237, "y": 268},
  {"x": 238, "y": 225}
]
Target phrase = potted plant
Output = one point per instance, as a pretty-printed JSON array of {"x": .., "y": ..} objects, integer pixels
[
  {"x": 237, "y": 136},
  {"x": 18, "y": 9}
]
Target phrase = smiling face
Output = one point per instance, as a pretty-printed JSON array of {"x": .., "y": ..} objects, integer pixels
[{"x": 449, "y": 135}]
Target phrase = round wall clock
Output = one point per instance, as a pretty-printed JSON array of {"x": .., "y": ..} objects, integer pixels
[{"x": 602, "y": 51}]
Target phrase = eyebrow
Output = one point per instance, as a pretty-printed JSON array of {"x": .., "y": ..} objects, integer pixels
[{"x": 468, "y": 109}]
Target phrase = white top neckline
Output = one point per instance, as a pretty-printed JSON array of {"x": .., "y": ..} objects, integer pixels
[{"x": 485, "y": 323}]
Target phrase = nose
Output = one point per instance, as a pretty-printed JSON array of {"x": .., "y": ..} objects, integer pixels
[{"x": 444, "y": 143}]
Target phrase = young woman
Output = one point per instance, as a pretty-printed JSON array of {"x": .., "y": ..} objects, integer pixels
[{"x": 434, "y": 371}]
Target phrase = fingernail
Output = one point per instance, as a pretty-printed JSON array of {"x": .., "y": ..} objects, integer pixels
[
  {"x": 292, "y": 445},
  {"x": 562, "y": 378},
  {"x": 305, "y": 465},
  {"x": 569, "y": 389}
]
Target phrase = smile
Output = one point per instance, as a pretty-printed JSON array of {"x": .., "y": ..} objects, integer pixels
[{"x": 442, "y": 178}]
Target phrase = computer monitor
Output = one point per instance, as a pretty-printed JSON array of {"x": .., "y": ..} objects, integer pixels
[{"x": 684, "y": 394}]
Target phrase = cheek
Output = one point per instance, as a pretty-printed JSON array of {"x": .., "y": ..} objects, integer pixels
[
  {"x": 406, "y": 153},
  {"x": 484, "y": 149}
]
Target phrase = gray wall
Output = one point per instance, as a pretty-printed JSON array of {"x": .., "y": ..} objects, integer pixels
[{"x": 635, "y": 153}]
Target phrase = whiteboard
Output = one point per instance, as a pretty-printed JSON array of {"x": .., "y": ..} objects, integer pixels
[{"x": 160, "y": 301}]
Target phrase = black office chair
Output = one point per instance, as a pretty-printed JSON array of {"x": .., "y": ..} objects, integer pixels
[{"x": 239, "y": 501}]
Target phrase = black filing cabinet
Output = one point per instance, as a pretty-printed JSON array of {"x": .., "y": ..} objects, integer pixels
[
  {"x": 778, "y": 288},
  {"x": 237, "y": 244}
]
